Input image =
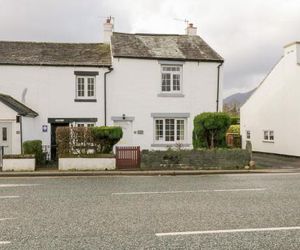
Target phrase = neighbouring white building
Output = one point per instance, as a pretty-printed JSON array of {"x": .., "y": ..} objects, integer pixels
[
  {"x": 151, "y": 85},
  {"x": 270, "y": 119}
]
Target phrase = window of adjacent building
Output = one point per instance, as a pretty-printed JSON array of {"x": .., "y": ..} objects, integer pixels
[
  {"x": 4, "y": 134},
  {"x": 268, "y": 135},
  {"x": 248, "y": 134},
  {"x": 169, "y": 130},
  {"x": 85, "y": 87},
  {"x": 171, "y": 76}
]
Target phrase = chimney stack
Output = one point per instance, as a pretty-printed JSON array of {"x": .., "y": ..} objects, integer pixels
[
  {"x": 108, "y": 27},
  {"x": 191, "y": 30}
]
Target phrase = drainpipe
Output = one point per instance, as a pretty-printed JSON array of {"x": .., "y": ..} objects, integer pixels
[
  {"x": 21, "y": 133},
  {"x": 218, "y": 86},
  {"x": 105, "y": 76}
]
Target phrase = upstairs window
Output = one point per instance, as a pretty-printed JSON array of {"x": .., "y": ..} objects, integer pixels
[
  {"x": 171, "y": 78},
  {"x": 85, "y": 87}
]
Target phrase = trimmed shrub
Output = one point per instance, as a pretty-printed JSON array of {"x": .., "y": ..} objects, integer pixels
[
  {"x": 86, "y": 141},
  {"x": 34, "y": 147},
  {"x": 106, "y": 137},
  {"x": 210, "y": 130},
  {"x": 235, "y": 120},
  {"x": 234, "y": 129}
]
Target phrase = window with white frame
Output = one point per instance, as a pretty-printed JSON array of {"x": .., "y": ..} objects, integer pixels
[
  {"x": 268, "y": 135},
  {"x": 171, "y": 78},
  {"x": 85, "y": 87},
  {"x": 85, "y": 125},
  {"x": 248, "y": 134},
  {"x": 169, "y": 130}
]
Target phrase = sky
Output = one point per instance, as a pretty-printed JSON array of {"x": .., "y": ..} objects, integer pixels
[{"x": 249, "y": 35}]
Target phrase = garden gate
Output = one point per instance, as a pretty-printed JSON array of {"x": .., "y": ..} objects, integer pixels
[{"x": 128, "y": 157}]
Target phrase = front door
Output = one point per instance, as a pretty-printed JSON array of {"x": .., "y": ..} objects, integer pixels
[
  {"x": 127, "y": 132},
  {"x": 54, "y": 126},
  {"x": 5, "y": 137}
]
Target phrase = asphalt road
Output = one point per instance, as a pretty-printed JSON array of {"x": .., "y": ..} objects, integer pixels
[{"x": 249, "y": 211}]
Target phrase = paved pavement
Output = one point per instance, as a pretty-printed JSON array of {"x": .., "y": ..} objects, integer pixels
[
  {"x": 249, "y": 211},
  {"x": 276, "y": 161}
]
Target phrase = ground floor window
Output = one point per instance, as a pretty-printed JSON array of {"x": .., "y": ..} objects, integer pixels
[
  {"x": 169, "y": 130},
  {"x": 268, "y": 135},
  {"x": 84, "y": 125},
  {"x": 248, "y": 134}
]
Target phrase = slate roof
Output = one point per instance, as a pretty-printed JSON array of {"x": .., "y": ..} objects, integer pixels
[
  {"x": 156, "y": 46},
  {"x": 17, "y": 106},
  {"x": 56, "y": 54}
]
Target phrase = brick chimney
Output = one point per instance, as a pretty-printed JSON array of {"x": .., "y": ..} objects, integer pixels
[
  {"x": 191, "y": 30},
  {"x": 108, "y": 27}
]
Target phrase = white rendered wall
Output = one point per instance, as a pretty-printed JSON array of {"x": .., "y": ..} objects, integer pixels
[
  {"x": 275, "y": 106},
  {"x": 51, "y": 93},
  {"x": 7, "y": 115},
  {"x": 18, "y": 164},
  {"x": 133, "y": 89},
  {"x": 87, "y": 163}
]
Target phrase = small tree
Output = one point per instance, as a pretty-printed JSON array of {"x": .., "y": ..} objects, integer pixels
[
  {"x": 210, "y": 130},
  {"x": 35, "y": 147},
  {"x": 106, "y": 137}
]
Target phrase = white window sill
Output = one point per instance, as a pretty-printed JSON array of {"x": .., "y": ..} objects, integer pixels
[
  {"x": 268, "y": 141},
  {"x": 85, "y": 100},
  {"x": 170, "y": 95}
]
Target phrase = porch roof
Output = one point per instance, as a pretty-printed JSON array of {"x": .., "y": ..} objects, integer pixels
[{"x": 17, "y": 106}]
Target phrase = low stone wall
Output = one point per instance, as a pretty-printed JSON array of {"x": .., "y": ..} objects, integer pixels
[
  {"x": 195, "y": 159},
  {"x": 18, "y": 164},
  {"x": 86, "y": 164}
]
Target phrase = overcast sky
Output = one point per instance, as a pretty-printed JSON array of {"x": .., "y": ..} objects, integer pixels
[{"x": 248, "y": 34}]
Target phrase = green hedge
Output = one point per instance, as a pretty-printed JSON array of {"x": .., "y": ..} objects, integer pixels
[
  {"x": 235, "y": 120},
  {"x": 234, "y": 129},
  {"x": 34, "y": 147},
  {"x": 195, "y": 159},
  {"x": 82, "y": 142},
  {"x": 106, "y": 137},
  {"x": 210, "y": 130}
]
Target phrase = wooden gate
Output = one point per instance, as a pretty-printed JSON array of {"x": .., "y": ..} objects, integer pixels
[{"x": 128, "y": 157}]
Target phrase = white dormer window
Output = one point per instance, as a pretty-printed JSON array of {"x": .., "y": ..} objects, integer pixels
[
  {"x": 85, "y": 87},
  {"x": 171, "y": 78}
]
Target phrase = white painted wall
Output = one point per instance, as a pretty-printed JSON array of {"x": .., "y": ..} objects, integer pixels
[
  {"x": 18, "y": 164},
  {"x": 133, "y": 89},
  {"x": 275, "y": 106},
  {"x": 51, "y": 93},
  {"x": 8, "y": 116},
  {"x": 87, "y": 163}
]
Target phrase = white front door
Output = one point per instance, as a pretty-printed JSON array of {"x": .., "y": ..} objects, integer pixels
[
  {"x": 5, "y": 136},
  {"x": 127, "y": 132}
]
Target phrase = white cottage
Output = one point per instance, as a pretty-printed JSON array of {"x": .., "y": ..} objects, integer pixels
[
  {"x": 151, "y": 85},
  {"x": 270, "y": 118}
]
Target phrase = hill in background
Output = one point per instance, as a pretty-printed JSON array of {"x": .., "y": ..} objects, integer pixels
[{"x": 232, "y": 103}]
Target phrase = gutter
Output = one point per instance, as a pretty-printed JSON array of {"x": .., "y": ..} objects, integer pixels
[
  {"x": 110, "y": 69},
  {"x": 218, "y": 87}
]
